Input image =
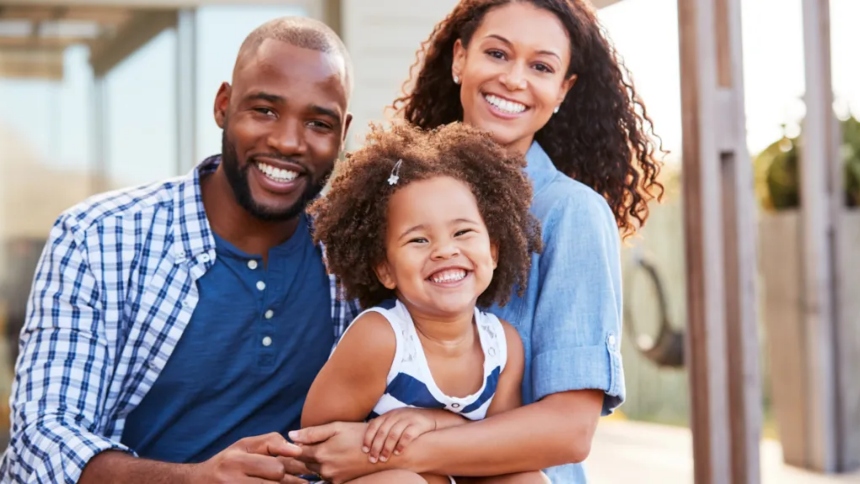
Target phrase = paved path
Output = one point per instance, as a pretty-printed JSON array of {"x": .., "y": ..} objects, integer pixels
[{"x": 635, "y": 452}]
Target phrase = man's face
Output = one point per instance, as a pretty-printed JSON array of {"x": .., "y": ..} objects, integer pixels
[{"x": 284, "y": 120}]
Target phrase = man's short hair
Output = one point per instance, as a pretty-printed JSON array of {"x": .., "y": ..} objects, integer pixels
[{"x": 303, "y": 32}]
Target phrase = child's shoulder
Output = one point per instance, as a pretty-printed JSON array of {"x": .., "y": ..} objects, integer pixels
[
  {"x": 491, "y": 317},
  {"x": 371, "y": 331},
  {"x": 374, "y": 319},
  {"x": 509, "y": 330}
]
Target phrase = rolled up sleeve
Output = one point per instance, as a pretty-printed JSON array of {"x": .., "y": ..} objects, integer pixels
[
  {"x": 577, "y": 332},
  {"x": 60, "y": 382}
]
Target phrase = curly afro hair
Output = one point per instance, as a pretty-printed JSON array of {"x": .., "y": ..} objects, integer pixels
[
  {"x": 601, "y": 135},
  {"x": 351, "y": 219}
]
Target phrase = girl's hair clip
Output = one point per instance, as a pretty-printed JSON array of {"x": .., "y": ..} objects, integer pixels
[{"x": 395, "y": 173}]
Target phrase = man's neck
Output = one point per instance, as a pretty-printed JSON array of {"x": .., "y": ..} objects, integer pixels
[{"x": 236, "y": 225}]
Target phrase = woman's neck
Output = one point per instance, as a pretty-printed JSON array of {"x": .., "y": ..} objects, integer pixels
[{"x": 521, "y": 146}]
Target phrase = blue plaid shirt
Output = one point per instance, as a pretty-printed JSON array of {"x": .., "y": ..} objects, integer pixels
[{"x": 113, "y": 292}]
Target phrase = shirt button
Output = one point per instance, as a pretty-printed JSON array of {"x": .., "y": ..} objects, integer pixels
[
  {"x": 252, "y": 264},
  {"x": 269, "y": 314},
  {"x": 611, "y": 341},
  {"x": 204, "y": 258},
  {"x": 267, "y": 341},
  {"x": 261, "y": 285}
]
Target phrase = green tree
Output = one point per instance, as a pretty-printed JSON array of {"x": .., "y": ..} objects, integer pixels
[{"x": 778, "y": 178}]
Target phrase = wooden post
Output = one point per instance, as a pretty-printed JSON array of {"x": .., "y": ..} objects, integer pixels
[
  {"x": 720, "y": 234},
  {"x": 821, "y": 203}
]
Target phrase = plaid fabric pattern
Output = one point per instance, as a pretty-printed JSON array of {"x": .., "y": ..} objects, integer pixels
[{"x": 113, "y": 292}]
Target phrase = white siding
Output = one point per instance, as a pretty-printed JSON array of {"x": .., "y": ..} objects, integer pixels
[{"x": 383, "y": 37}]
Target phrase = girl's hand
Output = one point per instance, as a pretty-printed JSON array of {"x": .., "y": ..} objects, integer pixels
[
  {"x": 390, "y": 433},
  {"x": 333, "y": 451}
]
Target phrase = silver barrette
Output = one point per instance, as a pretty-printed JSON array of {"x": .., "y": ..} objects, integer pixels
[{"x": 395, "y": 173}]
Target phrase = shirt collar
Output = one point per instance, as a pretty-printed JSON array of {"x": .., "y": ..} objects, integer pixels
[
  {"x": 191, "y": 231},
  {"x": 192, "y": 234},
  {"x": 539, "y": 167}
]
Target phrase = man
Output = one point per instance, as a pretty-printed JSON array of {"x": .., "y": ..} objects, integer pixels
[{"x": 173, "y": 330}]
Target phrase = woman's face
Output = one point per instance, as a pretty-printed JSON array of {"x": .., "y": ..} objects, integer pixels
[{"x": 512, "y": 74}]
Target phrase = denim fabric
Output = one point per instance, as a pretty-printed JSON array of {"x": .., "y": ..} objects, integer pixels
[{"x": 569, "y": 317}]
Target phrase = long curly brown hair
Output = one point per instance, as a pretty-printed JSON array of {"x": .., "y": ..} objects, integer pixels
[
  {"x": 601, "y": 135},
  {"x": 350, "y": 221}
]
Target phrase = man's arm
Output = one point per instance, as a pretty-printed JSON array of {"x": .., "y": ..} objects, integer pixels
[
  {"x": 114, "y": 466},
  {"x": 60, "y": 385},
  {"x": 262, "y": 459},
  {"x": 62, "y": 370}
]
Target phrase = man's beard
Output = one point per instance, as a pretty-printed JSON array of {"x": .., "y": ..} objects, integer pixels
[{"x": 238, "y": 178}]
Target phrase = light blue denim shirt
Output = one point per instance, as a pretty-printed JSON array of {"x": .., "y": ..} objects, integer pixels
[{"x": 570, "y": 315}]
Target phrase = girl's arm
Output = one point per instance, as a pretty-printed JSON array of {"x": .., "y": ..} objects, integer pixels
[
  {"x": 509, "y": 392},
  {"x": 353, "y": 379}
]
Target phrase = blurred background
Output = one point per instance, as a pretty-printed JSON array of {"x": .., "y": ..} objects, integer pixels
[{"x": 102, "y": 94}]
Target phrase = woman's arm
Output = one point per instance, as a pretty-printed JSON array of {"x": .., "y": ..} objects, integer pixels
[
  {"x": 554, "y": 431},
  {"x": 353, "y": 379}
]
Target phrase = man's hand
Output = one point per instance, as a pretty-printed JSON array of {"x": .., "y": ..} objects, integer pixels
[
  {"x": 334, "y": 451},
  {"x": 294, "y": 468},
  {"x": 262, "y": 459},
  {"x": 391, "y": 432}
]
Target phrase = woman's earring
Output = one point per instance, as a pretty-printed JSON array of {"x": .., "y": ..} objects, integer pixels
[
  {"x": 456, "y": 79},
  {"x": 556, "y": 109}
]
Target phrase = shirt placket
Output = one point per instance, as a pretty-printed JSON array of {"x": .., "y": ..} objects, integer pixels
[{"x": 265, "y": 330}]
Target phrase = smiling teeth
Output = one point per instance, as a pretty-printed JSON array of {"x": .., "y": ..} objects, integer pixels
[
  {"x": 505, "y": 105},
  {"x": 277, "y": 174},
  {"x": 451, "y": 275}
]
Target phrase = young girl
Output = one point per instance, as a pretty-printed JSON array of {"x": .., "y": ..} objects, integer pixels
[{"x": 424, "y": 228}]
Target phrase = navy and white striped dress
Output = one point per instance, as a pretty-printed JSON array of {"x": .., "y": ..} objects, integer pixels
[{"x": 409, "y": 382}]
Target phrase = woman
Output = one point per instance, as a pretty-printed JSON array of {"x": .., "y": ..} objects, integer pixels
[{"x": 542, "y": 77}]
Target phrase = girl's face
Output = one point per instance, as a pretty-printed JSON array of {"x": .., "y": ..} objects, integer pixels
[
  {"x": 512, "y": 74},
  {"x": 439, "y": 257}
]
